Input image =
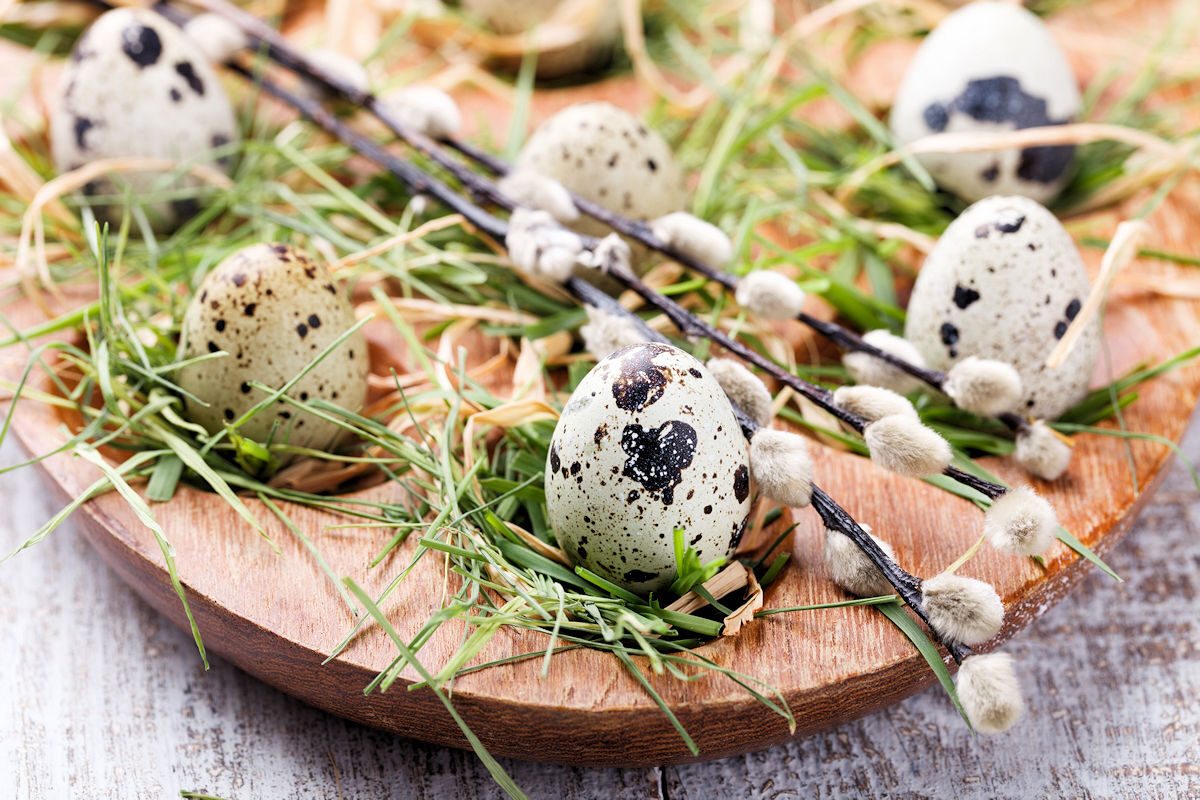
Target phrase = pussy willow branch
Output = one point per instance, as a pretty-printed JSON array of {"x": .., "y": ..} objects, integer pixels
[
  {"x": 688, "y": 323},
  {"x": 907, "y": 585},
  {"x": 419, "y": 181},
  {"x": 281, "y": 51}
]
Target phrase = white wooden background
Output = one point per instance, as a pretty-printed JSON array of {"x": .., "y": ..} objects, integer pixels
[{"x": 100, "y": 697}]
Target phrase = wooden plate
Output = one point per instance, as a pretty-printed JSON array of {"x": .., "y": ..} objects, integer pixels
[{"x": 277, "y": 616}]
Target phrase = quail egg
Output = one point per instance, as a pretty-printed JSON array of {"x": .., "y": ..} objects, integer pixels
[
  {"x": 989, "y": 66},
  {"x": 272, "y": 309},
  {"x": 647, "y": 443},
  {"x": 136, "y": 86},
  {"x": 1004, "y": 282}
]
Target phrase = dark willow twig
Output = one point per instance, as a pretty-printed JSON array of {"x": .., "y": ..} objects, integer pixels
[
  {"x": 688, "y": 323},
  {"x": 280, "y": 50}
]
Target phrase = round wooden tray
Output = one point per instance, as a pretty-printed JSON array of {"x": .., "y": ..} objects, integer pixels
[{"x": 277, "y": 616}]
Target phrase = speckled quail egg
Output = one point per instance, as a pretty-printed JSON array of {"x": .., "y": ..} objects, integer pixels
[
  {"x": 272, "y": 309},
  {"x": 599, "y": 20},
  {"x": 1004, "y": 282},
  {"x": 607, "y": 155},
  {"x": 647, "y": 443},
  {"x": 989, "y": 66},
  {"x": 136, "y": 86}
]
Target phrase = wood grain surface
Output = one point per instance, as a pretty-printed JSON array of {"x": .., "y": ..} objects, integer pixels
[{"x": 103, "y": 698}]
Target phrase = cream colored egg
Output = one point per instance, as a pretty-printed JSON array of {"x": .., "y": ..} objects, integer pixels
[
  {"x": 647, "y": 443},
  {"x": 598, "y": 21},
  {"x": 136, "y": 86},
  {"x": 272, "y": 309},
  {"x": 608, "y": 156},
  {"x": 989, "y": 66},
  {"x": 1004, "y": 282}
]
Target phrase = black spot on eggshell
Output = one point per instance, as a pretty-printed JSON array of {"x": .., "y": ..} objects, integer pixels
[
  {"x": 1044, "y": 164},
  {"x": 694, "y": 372},
  {"x": 639, "y": 576},
  {"x": 245, "y": 387},
  {"x": 249, "y": 309},
  {"x": 936, "y": 117},
  {"x": 141, "y": 44},
  {"x": 739, "y": 532},
  {"x": 650, "y": 165},
  {"x": 176, "y": 95},
  {"x": 991, "y": 173},
  {"x": 963, "y": 296},
  {"x": 1073, "y": 309},
  {"x": 601, "y": 432},
  {"x": 1060, "y": 329},
  {"x": 657, "y": 457},
  {"x": 229, "y": 413},
  {"x": 82, "y": 126},
  {"x": 219, "y": 325},
  {"x": 188, "y": 73},
  {"x": 555, "y": 463},
  {"x": 314, "y": 321},
  {"x": 1010, "y": 223},
  {"x": 949, "y": 335},
  {"x": 212, "y": 347},
  {"x": 640, "y": 383},
  {"x": 741, "y": 483}
]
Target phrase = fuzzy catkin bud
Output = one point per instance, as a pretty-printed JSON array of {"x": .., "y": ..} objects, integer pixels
[
  {"x": 610, "y": 256},
  {"x": 540, "y": 246},
  {"x": 781, "y": 467},
  {"x": 218, "y": 38},
  {"x": 425, "y": 109},
  {"x": 694, "y": 237},
  {"x": 983, "y": 386},
  {"x": 962, "y": 609},
  {"x": 606, "y": 333},
  {"x": 743, "y": 388},
  {"x": 1041, "y": 452},
  {"x": 535, "y": 190},
  {"x": 872, "y": 402},
  {"x": 903, "y": 445},
  {"x": 340, "y": 67},
  {"x": 990, "y": 692},
  {"x": 1020, "y": 522},
  {"x": 770, "y": 295},
  {"x": 871, "y": 371},
  {"x": 851, "y": 569}
]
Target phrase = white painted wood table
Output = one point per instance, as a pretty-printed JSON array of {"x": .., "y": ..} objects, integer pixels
[{"x": 100, "y": 697}]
